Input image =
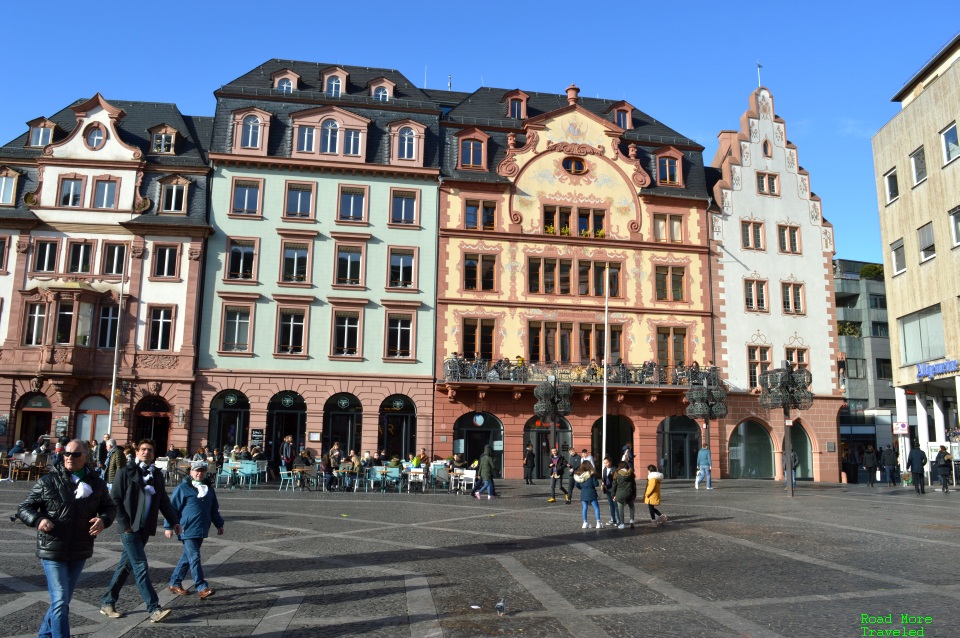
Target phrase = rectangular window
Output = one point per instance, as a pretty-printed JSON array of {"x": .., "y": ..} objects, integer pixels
[
  {"x": 471, "y": 154},
  {"x": 550, "y": 276},
  {"x": 46, "y": 256},
  {"x": 162, "y": 143},
  {"x": 349, "y": 265},
  {"x": 668, "y": 228},
  {"x": 671, "y": 346},
  {"x": 898, "y": 256},
  {"x": 891, "y": 185},
  {"x": 921, "y": 336},
  {"x": 516, "y": 108},
  {"x": 246, "y": 198},
  {"x": 295, "y": 262},
  {"x": 789, "y": 239},
  {"x": 71, "y": 193},
  {"x": 621, "y": 118},
  {"x": 242, "y": 259},
  {"x": 755, "y": 295},
  {"x": 879, "y": 329},
  {"x": 669, "y": 283},
  {"x": 480, "y": 215},
  {"x": 236, "y": 329},
  {"x": 856, "y": 369},
  {"x": 884, "y": 369},
  {"x": 299, "y": 201},
  {"x": 165, "y": 261},
  {"x": 351, "y": 142},
  {"x": 919, "y": 163},
  {"x": 799, "y": 357},
  {"x": 174, "y": 198},
  {"x": 351, "y": 205},
  {"x": 401, "y": 268},
  {"x": 951, "y": 148},
  {"x": 479, "y": 271},
  {"x": 556, "y": 220},
  {"x": 161, "y": 328},
  {"x": 305, "y": 139},
  {"x": 40, "y": 136},
  {"x": 928, "y": 249},
  {"x": 290, "y": 336},
  {"x": 550, "y": 342},
  {"x": 878, "y": 301},
  {"x": 955, "y": 225},
  {"x": 107, "y": 330},
  {"x": 758, "y": 362},
  {"x": 751, "y": 235},
  {"x": 590, "y": 222},
  {"x": 3, "y": 252},
  {"x": 346, "y": 334},
  {"x": 64, "y": 322},
  {"x": 767, "y": 184},
  {"x": 104, "y": 194},
  {"x": 399, "y": 336},
  {"x": 36, "y": 318},
  {"x": 667, "y": 171},
  {"x": 80, "y": 257},
  {"x": 792, "y": 299},
  {"x": 404, "y": 209},
  {"x": 7, "y": 187},
  {"x": 478, "y": 338}
]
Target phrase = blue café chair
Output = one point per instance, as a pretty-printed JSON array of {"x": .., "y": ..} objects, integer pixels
[
  {"x": 286, "y": 479},
  {"x": 393, "y": 477},
  {"x": 372, "y": 478}
]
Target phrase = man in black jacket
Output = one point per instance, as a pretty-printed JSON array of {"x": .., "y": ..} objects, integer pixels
[
  {"x": 139, "y": 495},
  {"x": 69, "y": 506}
]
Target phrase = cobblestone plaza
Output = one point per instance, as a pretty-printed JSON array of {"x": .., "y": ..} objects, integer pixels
[{"x": 740, "y": 560}]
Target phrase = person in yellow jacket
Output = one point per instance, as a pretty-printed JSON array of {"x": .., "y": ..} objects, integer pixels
[{"x": 652, "y": 496}]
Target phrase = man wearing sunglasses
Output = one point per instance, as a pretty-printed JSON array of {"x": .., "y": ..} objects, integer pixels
[
  {"x": 139, "y": 495},
  {"x": 70, "y": 506}
]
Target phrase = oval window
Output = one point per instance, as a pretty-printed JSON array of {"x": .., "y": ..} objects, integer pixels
[
  {"x": 94, "y": 136},
  {"x": 575, "y": 166}
]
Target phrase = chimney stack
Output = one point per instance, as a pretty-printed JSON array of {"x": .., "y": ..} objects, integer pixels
[{"x": 572, "y": 93}]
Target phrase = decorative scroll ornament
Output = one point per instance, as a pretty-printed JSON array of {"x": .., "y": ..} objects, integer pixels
[
  {"x": 195, "y": 254},
  {"x": 162, "y": 361},
  {"x": 23, "y": 245},
  {"x": 640, "y": 177},
  {"x": 508, "y": 165},
  {"x": 140, "y": 203}
]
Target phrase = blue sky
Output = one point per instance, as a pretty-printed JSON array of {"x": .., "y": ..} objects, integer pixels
[{"x": 832, "y": 66}]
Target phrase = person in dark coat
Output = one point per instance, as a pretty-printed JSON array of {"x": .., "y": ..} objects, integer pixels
[
  {"x": 890, "y": 464},
  {"x": 870, "y": 465},
  {"x": 17, "y": 448},
  {"x": 529, "y": 463},
  {"x": 625, "y": 491},
  {"x": 916, "y": 461},
  {"x": 139, "y": 495},
  {"x": 607, "y": 475},
  {"x": 70, "y": 506},
  {"x": 575, "y": 461},
  {"x": 944, "y": 462},
  {"x": 586, "y": 479},
  {"x": 196, "y": 504},
  {"x": 558, "y": 465},
  {"x": 486, "y": 469}
]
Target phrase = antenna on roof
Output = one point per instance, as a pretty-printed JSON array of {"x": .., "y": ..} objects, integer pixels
[
  {"x": 481, "y": 81},
  {"x": 424, "y": 76},
  {"x": 759, "y": 66},
  {"x": 449, "y": 82}
]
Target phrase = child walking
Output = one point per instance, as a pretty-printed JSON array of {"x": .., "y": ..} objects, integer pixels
[
  {"x": 652, "y": 496},
  {"x": 585, "y": 478},
  {"x": 625, "y": 491}
]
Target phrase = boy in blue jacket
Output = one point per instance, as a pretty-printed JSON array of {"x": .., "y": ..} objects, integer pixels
[{"x": 196, "y": 504}]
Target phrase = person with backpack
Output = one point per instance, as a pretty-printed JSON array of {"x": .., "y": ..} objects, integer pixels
[
  {"x": 944, "y": 463},
  {"x": 624, "y": 491},
  {"x": 916, "y": 461},
  {"x": 558, "y": 465},
  {"x": 585, "y": 478}
]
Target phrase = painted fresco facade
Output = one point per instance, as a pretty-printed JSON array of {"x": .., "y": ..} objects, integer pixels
[
  {"x": 540, "y": 209},
  {"x": 108, "y": 203},
  {"x": 319, "y": 305},
  {"x": 774, "y": 298}
]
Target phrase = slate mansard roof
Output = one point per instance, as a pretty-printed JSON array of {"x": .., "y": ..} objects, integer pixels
[
  {"x": 255, "y": 89},
  {"x": 194, "y": 133},
  {"x": 486, "y": 109}
]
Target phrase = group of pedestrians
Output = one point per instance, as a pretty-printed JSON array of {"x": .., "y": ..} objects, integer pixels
[{"x": 71, "y": 505}]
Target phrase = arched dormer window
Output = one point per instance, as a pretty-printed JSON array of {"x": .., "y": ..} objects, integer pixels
[
  {"x": 250, "y": 137},
  {"x": 285, "y": 85},
  {"x": 406, "y": 142},
  {"x": 622, "y": 114},
  {"x": 407, "y": 148},
  {"x": 516, "y": 101},
  {"x": 333, "y": 87},
  {"x": 669, "y": 166},
  {"x": 473, "y": 150},
  {"x": 329, "y": 136},
  {"x": 381, "y": 94}
]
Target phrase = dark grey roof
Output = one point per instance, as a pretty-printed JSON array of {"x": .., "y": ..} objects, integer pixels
[
  {"x": 447, "y": 98},
  {"x": 486, "y": 110}
]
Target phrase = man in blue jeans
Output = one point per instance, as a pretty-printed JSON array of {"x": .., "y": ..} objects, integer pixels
[
  {"x": 705, "y": 464},
  {"x": 196, "y": 504},
  {"x": 70, "y": 506},
  {"x": 138, "y": 494}
]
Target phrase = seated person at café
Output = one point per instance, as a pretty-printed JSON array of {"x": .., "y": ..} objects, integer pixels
[
  {"x": 201, "y": 455},
  {"x": 411, "y": 461},
  {"x": 326, "y": 469},
  {"x": 218, "y": 459},
  {"x": 245, "y": 454},
  {"x": 173, "y": 453},
  {"x": 256, "y": 454},
  {"x": 458, "y": 462},
  {"x": 17, "y": 448},
  {"x": 303, "y": 459},
  {"x": 395, "y": 462},
  {"x": 367, "y": 460}
]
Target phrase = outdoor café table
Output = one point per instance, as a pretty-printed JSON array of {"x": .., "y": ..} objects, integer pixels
[
  {"x": 415, "y": 475},
  {"x": 456, "y": 480},
  {"x": 234, "y": 478},
  {"x": 304, "y": 472}
]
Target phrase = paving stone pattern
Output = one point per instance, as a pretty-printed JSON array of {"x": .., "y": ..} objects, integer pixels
[{"x": 739, "y": 560}]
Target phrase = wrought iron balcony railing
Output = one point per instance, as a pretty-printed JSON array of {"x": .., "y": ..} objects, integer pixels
[{"x": 458, "y": 370}]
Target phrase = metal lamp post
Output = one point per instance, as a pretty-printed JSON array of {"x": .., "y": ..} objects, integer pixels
[
  {"x": 553, "y": 402},
  {"x": 706, "y": 400},
  {"x": 786, "y": 388}
]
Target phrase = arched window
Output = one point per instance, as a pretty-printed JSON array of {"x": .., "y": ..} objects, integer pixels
[
  {"x": 381, "y": 94},
  {"x": 408, "y": 146},
  {"x": 285, "y": 86},
  {"x": 251, "y": 132},
  {"x": 328, "y": 142},
  {"x": 333, "y": 87},
  {"x": 767, "y": 149}
]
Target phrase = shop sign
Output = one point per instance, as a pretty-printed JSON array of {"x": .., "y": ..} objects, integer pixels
[
  {"x": 256, "y": 438},
  {"x": 930, "y": 370},
  {"x": 61, "y": 426},
  {"x": 498, "y": 446},
  {"x": 901, "y": 428}
]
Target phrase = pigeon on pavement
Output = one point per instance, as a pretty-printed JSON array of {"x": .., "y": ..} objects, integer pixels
[{"x": 501, "y": 609}]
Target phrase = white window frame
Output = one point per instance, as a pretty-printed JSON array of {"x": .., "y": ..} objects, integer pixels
[
  {"x": 250, "y": 137},
  {"x": 950, "y": 143},
  {"x": 346, "y": 328},
  {"x": 898, "y": 257},
  {"x": 955, "y": 225},
  {"x": 918, "y": 162},
  {"x": 926, "y": 242},
  {"x": 354, "y": 266},
  {"x": 352, "y": 142},
  {"x": 334, "y": 87},
  {"x": 109, "y": 188},
  {"x": 83, "y": 252},
  {"x": 238, "y": 327},
  {"x": 285, "y": 85},
  {"x": 407, "y": 271},
  {"x": 407, "y": 141},
  {"x": 165, "y": 256},
  {"x": 169, "y": 196},
  {"x": 161, "y": 329},
  {"x": 380, "y": 94},
  {"x": 107, "y": 326},
  {"x": 290, "y": 320},
  {"x": 306, "y": 139},
  {"x": 395, "y": 335},
  {"x": 162, "y": 143},
  {"x": 40, "y": 136},
  {"x": 890, "y": 179},
  {"x": 8, "y": 185},
  {"x": 73, "y": 188},
  {"x": 112, "y": 254},
  {"x": 35, "y": 324},
  {"x": 329, "y": 137}
]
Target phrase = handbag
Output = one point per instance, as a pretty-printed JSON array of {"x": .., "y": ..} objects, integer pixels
[{"x": 699, "y": 473}]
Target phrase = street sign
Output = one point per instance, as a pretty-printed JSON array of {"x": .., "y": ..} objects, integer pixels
[{"x": 788, "y": 422}]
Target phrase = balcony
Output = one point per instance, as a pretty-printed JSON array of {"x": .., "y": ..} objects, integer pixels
[
  {"x": 844, "y": 287},
  {"x": 849, "y": 314},
  {"x": 482, "y": 371}
]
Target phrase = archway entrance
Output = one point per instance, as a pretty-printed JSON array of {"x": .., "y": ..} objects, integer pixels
[
  {"x": 152, "y": 419},
  {"x": 751, "y": 452},
  {"x": 539, "y": 436},
  {"x": 475, "y": 430},
  {"x": 801, "y": 445},
  {"x": 229, "y": 421},
  {"x": 397, "y": 430},
  {"x": 35, "y": 417},
  {"x": 342, "y": 422},
  {"x": 286, "y": 416},
  {"x": 679, "y": 442},
  {"x": 93, "y": 418},
  {"x": 619, "y": 433}
]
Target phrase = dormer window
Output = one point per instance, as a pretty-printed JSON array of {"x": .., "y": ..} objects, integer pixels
[
  {"x": 669, "y": 167},
  {"x": 329, "y": 137},
  {"x": 621, "y": 118},
  {"x": 406, "y": 142},
  {"x": 305, "y": 135},
  {"x": 380, "y": 94},
  {"x": 622, "y": 114},
  {"x": 40, "y": 135},
  {"x": 95, "y": 136},
  {"x": 473, "y": 150},
  {"x": 285, "y": 85},
  {"x": 163, "y": 140},
  {"x": 407, "y": 147},
  {"x": 342, "y": 135},
  {"x": 516, "y": 102},
  {"x": 251, "y": 132},
  {"x": 516, "y": 108},
  {"x": 285, "y": 80},
  {"x": 333, "y": 87},
  {"x": 163, "y": 143},
  {"x": 8, "y": 188},
  {"x": 173, "y": 194},
  {"x": 381, "y": 89}
]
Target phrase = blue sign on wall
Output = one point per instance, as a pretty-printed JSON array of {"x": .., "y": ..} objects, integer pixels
[{"x": 930, "y": 370}]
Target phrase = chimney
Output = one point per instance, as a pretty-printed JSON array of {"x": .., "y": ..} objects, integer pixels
[{"x": 572, "y": 93}]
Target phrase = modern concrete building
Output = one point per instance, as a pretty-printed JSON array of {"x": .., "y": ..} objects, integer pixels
[
  {"x": 772, "y": 273},
  {"x": 915, "y": 158},
  {"x": 102, "y": 229}
]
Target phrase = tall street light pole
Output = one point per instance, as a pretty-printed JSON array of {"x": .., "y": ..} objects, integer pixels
[
  {"x": 707, "y": 397},
  {"x": 786, "y": 387}
]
